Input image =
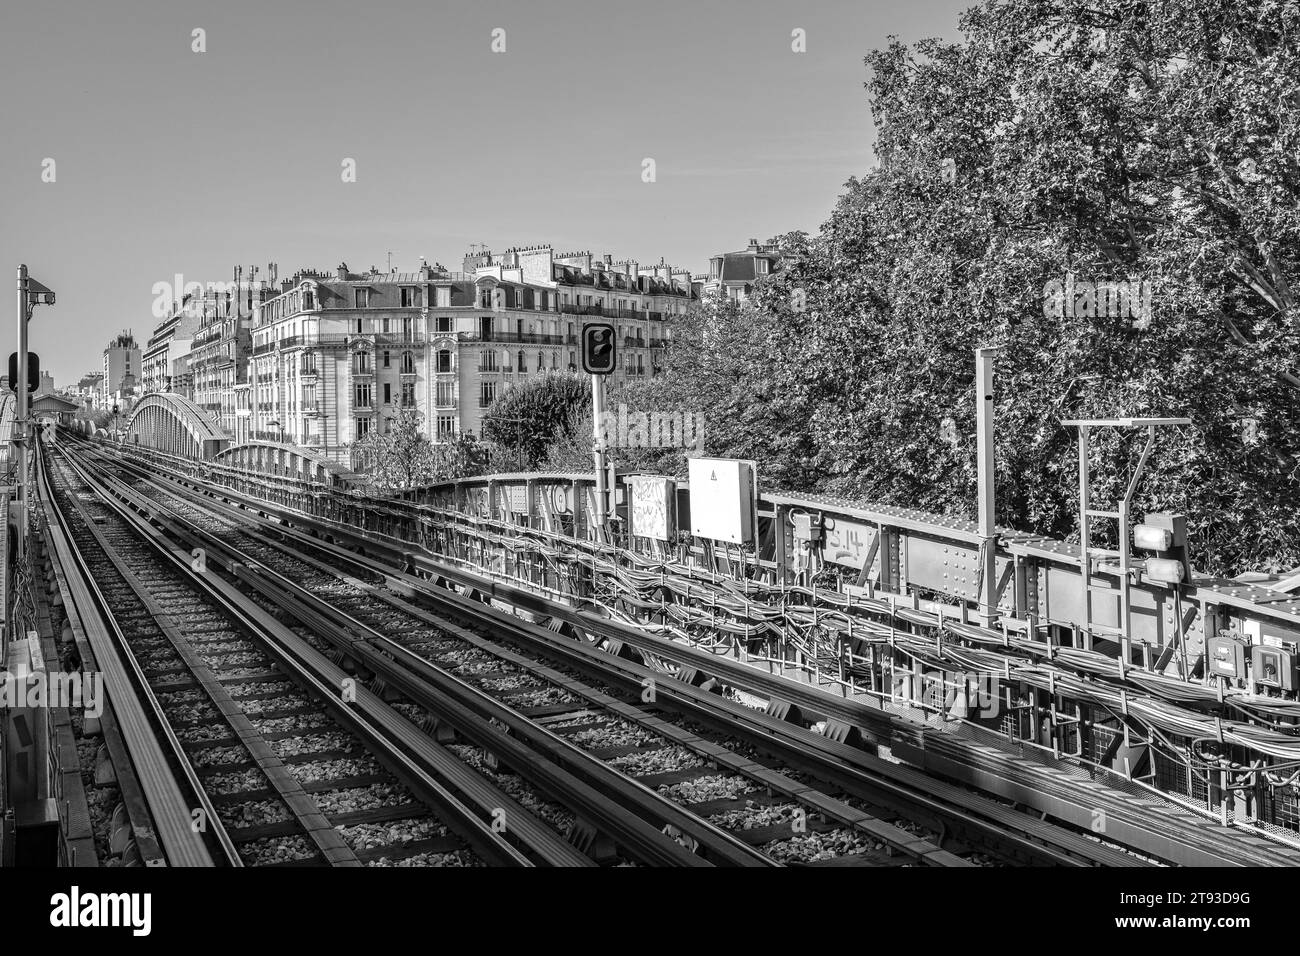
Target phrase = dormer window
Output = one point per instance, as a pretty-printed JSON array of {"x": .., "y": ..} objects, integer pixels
[{"x": 363, "y": 298}]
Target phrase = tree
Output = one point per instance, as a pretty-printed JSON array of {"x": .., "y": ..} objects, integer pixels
[
  {"x": 462, "y": 457},
  {"x": 399, "y": 456},
  {"x": 1110, "y": 140},
  {"x": 527, "y": 418}
]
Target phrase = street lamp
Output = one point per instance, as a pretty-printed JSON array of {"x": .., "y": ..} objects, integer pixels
[{"x": 30, "y": 294}]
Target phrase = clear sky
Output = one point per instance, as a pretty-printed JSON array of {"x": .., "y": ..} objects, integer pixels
[{"x": 171, "y": 161}]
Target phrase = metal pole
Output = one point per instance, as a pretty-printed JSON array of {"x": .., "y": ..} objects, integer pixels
[
  {"x": 1085, "y": 536},
  {"x": 20, "y": 419},
  {"x": 988, "y": 599},
  {"x": 598, "y": 434}
]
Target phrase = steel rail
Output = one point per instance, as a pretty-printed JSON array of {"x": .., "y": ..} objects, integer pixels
[
  {"x": 999, "y": 822},
  {"x": 601, "y": 793},
  {"x": 909, "y": 843},
  {"x": 138, "y": 713},
  {"x": 369, "y": 718}
]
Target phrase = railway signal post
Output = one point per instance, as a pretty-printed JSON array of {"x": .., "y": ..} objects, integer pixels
[{"x": 599, "y": 358}]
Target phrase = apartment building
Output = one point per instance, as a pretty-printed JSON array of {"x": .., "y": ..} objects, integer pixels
[
  {"x": 335, "y": 355},
  {"x": 121, "y": 359},
  {"x": 163, "y": 365},
  {"x": 636, "y": 299},
  {"x": 90, "y": 387},
  {"x": 220, "y": 350},
  {"x": 735, "y": 274}
]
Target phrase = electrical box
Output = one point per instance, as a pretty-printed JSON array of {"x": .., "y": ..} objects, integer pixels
[
  {"x": 724, "y": 499},
  {"x": 1225, "y": 656},
  {"x": 1272, "y": 667},
  {"x": 807, "y": 527}
]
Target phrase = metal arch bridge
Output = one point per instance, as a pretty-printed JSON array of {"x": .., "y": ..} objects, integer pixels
[
  {"x": 175, "y": 425},
  {"x": 278, "y": 459},
  {"x": 171, "y": 424}
]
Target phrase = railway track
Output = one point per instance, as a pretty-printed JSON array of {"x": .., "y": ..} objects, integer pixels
[
  {"x": 274, "y": 766},
  {"x": 579, "y": 794},
  {"x": 714, "y": 756}
]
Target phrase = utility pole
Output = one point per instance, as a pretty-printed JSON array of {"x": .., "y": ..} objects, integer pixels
[
  {"x": 988, "y": 600},
  {"x": 20, "y": 415}
]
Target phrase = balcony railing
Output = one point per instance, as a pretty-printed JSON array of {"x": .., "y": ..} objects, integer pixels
[
  {"x": 608, "y": 311},
  {"x": 515, "y": 338}
]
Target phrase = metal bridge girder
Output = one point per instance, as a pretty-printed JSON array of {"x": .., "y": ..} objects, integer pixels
[{"x": 173, "y": 424}]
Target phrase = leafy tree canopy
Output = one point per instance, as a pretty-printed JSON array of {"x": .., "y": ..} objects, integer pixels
[
  {"x": 399, "y": 456},
  {"x": 523, "y": 422},
  {"x": 1112, "y": 140}
]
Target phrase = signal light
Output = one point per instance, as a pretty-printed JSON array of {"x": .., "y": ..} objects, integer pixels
[
  {"x": 1165, "y": 570},
  {"x": 599, "y": 352},
  {"x": 33, "y": 371},
  {"x": 1166, "y": 534},
  {"x": 1152, "y": 539}
]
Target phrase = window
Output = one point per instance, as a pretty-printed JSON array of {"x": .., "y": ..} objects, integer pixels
[
  {"x": 487, "y": 394},
  {"x": 388, "y": 394},
  {"x": 410, "y": 296},
  {"x": 444, "y": 360},
  {"x": 308, "y": 301},
  {"x": 541, "y": 361},
  {"x": 362, "y": 427},
  {"x": 522, "y": 358},
  {"x": 362, "y": 395},
  {"x": 487, "y": 361},
  {"x": 446, "y": 427},
  {"x": 363, "y": 299},
  {"x": 444, "y": 323},
  {"x": 408, "y": 363},
  {"x": 408, "y": 394},
  {"x": 385, "y": 321},
  {"x": 361, "y": 363},
  {"x": 446, "y": 394},
  {"x": 387, "y": 364},
  {"x": 358, "y": 326}
]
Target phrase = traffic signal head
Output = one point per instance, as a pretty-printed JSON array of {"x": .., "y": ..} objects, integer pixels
[{"x": 599, "y": 354}]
